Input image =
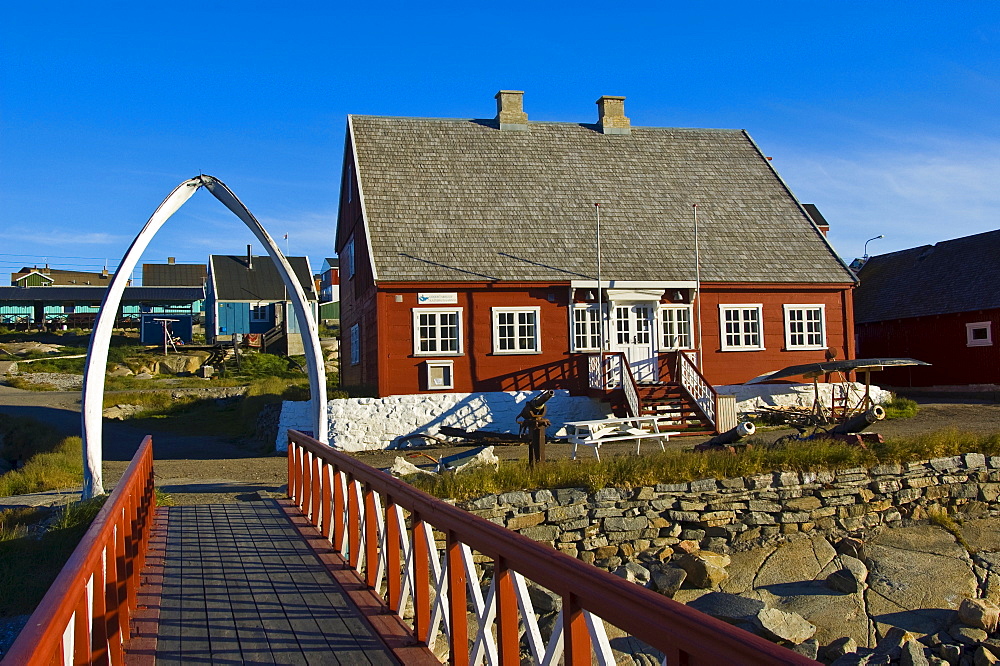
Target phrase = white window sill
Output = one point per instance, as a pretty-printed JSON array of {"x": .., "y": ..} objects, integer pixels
[
  {"x": 516, "y": 353},
  {"x": 438, "y": 354},
  {"x": 742, "y": 349},
  {"x": 807, "y": 348}
]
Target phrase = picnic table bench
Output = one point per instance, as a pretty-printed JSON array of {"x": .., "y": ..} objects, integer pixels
[{"x": 633, "y": 428}]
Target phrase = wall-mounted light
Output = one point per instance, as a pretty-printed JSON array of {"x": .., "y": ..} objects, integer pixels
[{"x": 677, "y": 296}]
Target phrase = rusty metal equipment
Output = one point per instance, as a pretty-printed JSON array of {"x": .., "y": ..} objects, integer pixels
[
  {"x": 533, "y": 423},
  {"x": 726, "y": 439}
]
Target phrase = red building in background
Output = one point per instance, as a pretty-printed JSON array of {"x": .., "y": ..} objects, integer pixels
[
  {"x": 936, "y": 303},
  {"x": 469, "y": 254}
]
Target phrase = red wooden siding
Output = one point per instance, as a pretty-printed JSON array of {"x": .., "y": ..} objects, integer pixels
[
  {"x": 399, "y": 371},
  {"x": 736, "y": 367},
  {"x": 940, "y": 340}
]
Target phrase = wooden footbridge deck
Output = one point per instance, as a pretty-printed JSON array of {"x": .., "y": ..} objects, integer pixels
[{"x": 354, "y": 567}]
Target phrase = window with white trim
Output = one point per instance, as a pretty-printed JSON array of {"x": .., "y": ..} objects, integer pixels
[
  {"x": 437, "y": 331},
  {"x": 675, "y": 325},
  {"x": 586, "y": 328},
  {"x": 515, "y": 331},
  {"x": 356, "y": 344},
  {"x": 741, "y": 327},
  {"x": 440, "y": 375},
  {"x": 805, "y": 327},
  {"x": 347, "y": 258},
  {"x": 259, "y": 312},
  {"x": 979, "y": 334}
]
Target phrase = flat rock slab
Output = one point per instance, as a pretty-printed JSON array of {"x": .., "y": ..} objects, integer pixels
[
  {"x": 982, "y": 535},
  {"x": 917, "y": 577}
]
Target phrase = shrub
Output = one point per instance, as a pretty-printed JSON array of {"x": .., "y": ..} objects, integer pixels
[{"x": 264, "y": 365}]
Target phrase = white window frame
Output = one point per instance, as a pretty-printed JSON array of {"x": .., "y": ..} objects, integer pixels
[
  {"x": 460, "y": 342},
  {"x": 974, "y": 326},
  {"x": 348, "y": 258},
  {"x": 594, "y": 316},
  {"x": 449, "y": 367},
  {"x": 756, "y": 307},
  {"x": 789, "y": 344},
  {"x": 356, "y": 344},
  {"x": 665, "y": 344},
  {"x": 536, "y": 339},
  {"x": 260, "y": 312}
]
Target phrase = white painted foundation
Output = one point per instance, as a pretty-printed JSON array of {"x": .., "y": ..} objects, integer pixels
[
  {"x": 368, "y": 424},
  {"x": 365, "y": 424},
  {"x": 754, "y": 396}
]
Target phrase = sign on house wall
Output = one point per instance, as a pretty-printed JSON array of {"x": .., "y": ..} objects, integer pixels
[{"x": 437, "y": 298}]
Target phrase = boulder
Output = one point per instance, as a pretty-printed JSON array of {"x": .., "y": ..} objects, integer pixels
[
  {"x": 845, "y": 580},
  {"x": 543, "y": 600},
  {"x": 808, "y": 649},
  {"x": 705, "y": 569},
  {"x": 667, "y": 580},
  {"x": 781, "y": 626},
  {"x": 840, "y": 647},
  {"x": 633, "y": 572},
  {"x": 731, "y": 608},
  {"x": 980, "y": 613},
  {"x": 912, "y": 654},
  {"x": 687, "y": 546},
  {"x": 984, "y": 657}
]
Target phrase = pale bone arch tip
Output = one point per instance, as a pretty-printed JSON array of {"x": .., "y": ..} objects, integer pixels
[{"x": 97, "y": 354}]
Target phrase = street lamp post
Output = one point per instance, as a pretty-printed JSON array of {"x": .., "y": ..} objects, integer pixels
[{"x": 869, "y": 241}]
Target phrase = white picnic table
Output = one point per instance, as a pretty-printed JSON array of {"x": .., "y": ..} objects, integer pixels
[{"x": 631, "y": 428}]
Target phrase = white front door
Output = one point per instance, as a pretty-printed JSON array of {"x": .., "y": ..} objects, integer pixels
[{"x": 633, "y": 334}]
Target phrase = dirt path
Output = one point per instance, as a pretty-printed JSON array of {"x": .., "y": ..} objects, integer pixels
[{"x": 198, "y": 470}]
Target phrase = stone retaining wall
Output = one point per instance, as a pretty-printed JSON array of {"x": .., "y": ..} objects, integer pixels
[{"x": 613, "y": 525}]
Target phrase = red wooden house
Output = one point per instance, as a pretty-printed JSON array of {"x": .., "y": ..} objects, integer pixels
[
  {"x": 936, "y": 303},
  {"x": 469, "y": 255}
]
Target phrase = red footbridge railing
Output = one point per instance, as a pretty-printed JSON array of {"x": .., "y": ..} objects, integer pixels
[
  {"x": 84, "y": 617},
  {"x": 452, "y": 575}
]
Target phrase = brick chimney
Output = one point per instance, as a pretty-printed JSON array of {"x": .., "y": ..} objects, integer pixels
[
  {"x": 510, "y": 110},
  {"x": 611, "y": 115}
]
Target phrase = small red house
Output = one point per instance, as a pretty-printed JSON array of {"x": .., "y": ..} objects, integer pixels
[
  {"x": 473, "y": 257},
  {"x": 936, "y": 303}
]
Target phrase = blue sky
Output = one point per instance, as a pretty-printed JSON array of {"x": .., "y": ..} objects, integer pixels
[{"x": 884, "y": 114}]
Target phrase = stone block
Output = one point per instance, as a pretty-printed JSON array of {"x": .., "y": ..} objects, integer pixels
[
  {"x": 541, "y": 532},
  {"x": 763, "y": 506},
  {"x": 735, "y": 483},
  {"x": 974, "y": 461},
  {"x": 622, "y": 524},
  {"x": 688, "y": 505},
  {"x": 520, "y": 521},
  {"x": 945, "y": 464},
  {"x": 704, "y": 485},
  {"x": 685, "y": 516},
  {"x": 516, "y": 498},
  {"x": 673, "y": 487},
  {"x": 807, "y": 503},
  {"x": 607, "y": 495},
  {"x": 755, "y": 518},
  {"x": 559, "y": 514},
  {"x": 543, "y": 496},
  {"x": 705, "y": 569},
  {"x": 786, "y": 479},
  {"x": 793, "y": 517},
  {"x": 570, "y": 495}
]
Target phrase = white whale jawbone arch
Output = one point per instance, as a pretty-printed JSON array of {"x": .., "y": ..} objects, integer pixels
[{"x": 97, "y": 354}]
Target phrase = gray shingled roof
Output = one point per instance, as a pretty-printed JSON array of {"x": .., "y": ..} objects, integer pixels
[
  {"x": 462, "y": 200},
  {"x": 958, "y": 275},
  {"x": 174, "y": 275},
  {"x": 233, "y": 282}
]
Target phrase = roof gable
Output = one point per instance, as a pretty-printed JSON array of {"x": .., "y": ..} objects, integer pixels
[
  {"x": 460, "y": 200},
  {"x": 234, "y": 281},
  {"x": 959, "y": 275}
]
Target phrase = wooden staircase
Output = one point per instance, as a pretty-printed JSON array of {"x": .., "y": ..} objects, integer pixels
[{"x": 670, "y": 399}]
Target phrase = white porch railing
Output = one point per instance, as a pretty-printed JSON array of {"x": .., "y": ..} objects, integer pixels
[
  {"x": 697, "y": 387},
  {"x": 617, "y": 374}
]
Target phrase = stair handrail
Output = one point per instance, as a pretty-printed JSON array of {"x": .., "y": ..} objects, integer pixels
[
  {"x": 616, "y": 373},
  {"x": 701, "y": 392}
]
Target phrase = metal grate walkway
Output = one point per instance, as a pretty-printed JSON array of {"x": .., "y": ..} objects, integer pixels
[{"x": 241, "y": 585}]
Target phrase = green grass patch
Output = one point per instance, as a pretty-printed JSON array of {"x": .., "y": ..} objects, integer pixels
[
  {"x": 60, "y": 468},
  {"x": 679, "y": 466},
  {"x": 29, "y": 565},
  {"x": 67, "y": 366},
  {"x": 900, "y": 408}
]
